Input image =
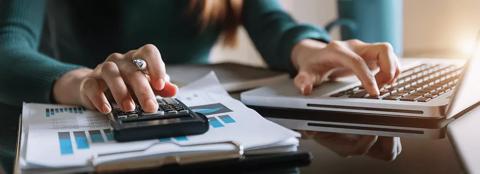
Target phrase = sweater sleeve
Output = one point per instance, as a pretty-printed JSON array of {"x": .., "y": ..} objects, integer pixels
[
  {"x": 25, "y": 73},
  {"x": 275, "y": 33}
]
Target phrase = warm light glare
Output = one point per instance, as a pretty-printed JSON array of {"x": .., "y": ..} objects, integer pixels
[
  {"x": 476, "y": 47},
  {"x": 466, "y": 46}
]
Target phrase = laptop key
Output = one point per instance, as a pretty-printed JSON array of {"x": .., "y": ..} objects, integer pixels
[
  {"x": 360, "y": 94},
  {"x": 384, "y": 94},
  {"x": 409, "y": 98},
  {"x": 421, "y": 83},
  {"x": 339, "y": 94},
  {"x": 373, "y": 97},
  {"x": 392, "y": 97},
  {"x": 423, "y": 99}
]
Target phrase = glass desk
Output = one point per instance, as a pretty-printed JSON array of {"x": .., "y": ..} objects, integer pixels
[{"x": 332, "y": 152}]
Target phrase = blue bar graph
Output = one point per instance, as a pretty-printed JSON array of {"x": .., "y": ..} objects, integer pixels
[
  {"x": 211, "y": 109},
  {"x": 227, "y": 119},
  {"x": 163, "y": 140},
  {"x": 65, "y": 143},
  {"x": 214, "y": 122},
  {"x": 81, "y": 140},
  {"x": 96, "y": 136},
  {"x": 52, "y": 111},
  {"x": 108, "y": 134},
  {"x": 181, "y": 138}
]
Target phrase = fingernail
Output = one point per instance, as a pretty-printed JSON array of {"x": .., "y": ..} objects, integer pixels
[
  {"x": 106, "y": 108},
  {"x": 302, "y": 90},
  {"x": 151, "y": 104},
  {"x": 305, "y": 90},
  {"x": 128, "y": 105},
  {"x": 377, "y": 92}
]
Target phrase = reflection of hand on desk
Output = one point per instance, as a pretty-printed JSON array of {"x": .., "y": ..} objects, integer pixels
[{"x": 348, "y": 145}]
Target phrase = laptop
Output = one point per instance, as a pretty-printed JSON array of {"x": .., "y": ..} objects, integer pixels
[
  {"x": 464, "y": 134},
  {"x": 424, "y": 90}
]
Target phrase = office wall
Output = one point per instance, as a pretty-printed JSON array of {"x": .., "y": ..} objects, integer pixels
[
  {"x": 445, "y": 28},
  {"x": 433, "y": 28}
]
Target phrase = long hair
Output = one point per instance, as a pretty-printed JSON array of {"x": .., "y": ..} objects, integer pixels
[{"x": 225, "y": 13}]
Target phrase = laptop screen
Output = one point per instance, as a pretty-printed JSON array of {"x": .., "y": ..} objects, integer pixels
[{"x": 467, "y": 91}]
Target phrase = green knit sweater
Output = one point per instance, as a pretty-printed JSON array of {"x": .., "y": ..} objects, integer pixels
[{"x": 40, "y": 40}]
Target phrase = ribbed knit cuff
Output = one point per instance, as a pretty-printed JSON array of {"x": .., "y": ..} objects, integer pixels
[{"x": 52, "y": 76}]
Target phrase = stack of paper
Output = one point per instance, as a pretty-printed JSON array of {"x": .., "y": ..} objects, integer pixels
[
  {"x": 227, "y": 74},
  {"x": 59, "y": 138}
]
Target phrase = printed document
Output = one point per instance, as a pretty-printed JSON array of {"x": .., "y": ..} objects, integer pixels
[{"x": 59, "y": 136}]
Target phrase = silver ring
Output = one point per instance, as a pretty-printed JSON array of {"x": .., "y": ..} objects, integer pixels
[{"x": 140, "y": 64}]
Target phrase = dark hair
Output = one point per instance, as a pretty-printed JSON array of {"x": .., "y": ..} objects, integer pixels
[{"x": 226, "y": 13}]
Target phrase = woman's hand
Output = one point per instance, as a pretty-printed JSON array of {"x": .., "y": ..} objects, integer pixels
[
  {"x": 317, "y": 62},
  {"x": 121, "y": 77}
]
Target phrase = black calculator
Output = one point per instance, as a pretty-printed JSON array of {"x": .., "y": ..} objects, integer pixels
[{"x": 173, "y": 118}]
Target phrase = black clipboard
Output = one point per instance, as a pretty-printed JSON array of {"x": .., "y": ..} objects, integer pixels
[{"x": 285, "y": 161}]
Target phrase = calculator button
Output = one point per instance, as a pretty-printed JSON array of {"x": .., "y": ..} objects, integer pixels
[
  {"x": 158, "y": 113},
  {"x": 183, "y": 112},
  {"x": 178, "y": 107},
  {"x": 122, "y": 117},
  {"x": 172, "y": 112},
  {"x": 132, "y": 116},
  {"x": 161, "y": 102},
  {"x": 170, "y": 101}
]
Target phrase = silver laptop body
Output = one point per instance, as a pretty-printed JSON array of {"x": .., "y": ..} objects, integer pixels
[
  {"x": 337, "y": 96},
  {"x": 464, "y": 94}
]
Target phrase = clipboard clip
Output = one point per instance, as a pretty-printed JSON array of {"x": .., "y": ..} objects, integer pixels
[{"x": 158, "y": 160}]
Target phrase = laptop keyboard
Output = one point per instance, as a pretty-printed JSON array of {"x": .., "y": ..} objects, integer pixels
[{"x": 421, "y": 83}]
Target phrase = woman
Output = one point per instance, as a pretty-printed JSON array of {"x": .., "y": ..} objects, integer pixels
[{"x": 91, "y": 44}]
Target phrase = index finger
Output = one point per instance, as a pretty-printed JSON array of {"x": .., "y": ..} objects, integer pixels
[
  {"x": 386, "y": 58},
  {"x": 361, "y": 70},
  {"x": 155, "y": 65}
]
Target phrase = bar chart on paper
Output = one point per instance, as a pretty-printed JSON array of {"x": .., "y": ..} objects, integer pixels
[
  {"x": 60, "y": 138},
  {"x": 209, "y": 110},
  {"x": 78, "y": 140},
  {"x": 74, "y": 110},
  {"x": 215, "y": 109},
  {"x": 82, "y": 140}
]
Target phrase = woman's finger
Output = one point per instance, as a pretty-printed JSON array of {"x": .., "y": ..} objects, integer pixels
[
  {"x": 356, "y": 63},
  {"x": 111, "y": 75},
  {"x": 155, "y": 65},
  {"x": 305, "y": 81},
  {"x": 340, "y": 72},
  {"x": 94, "y": 91},
  {"x": 385, "y": 57},
  {"x": 144, "y": 93},
  {"x": 343, "y": 72}
]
